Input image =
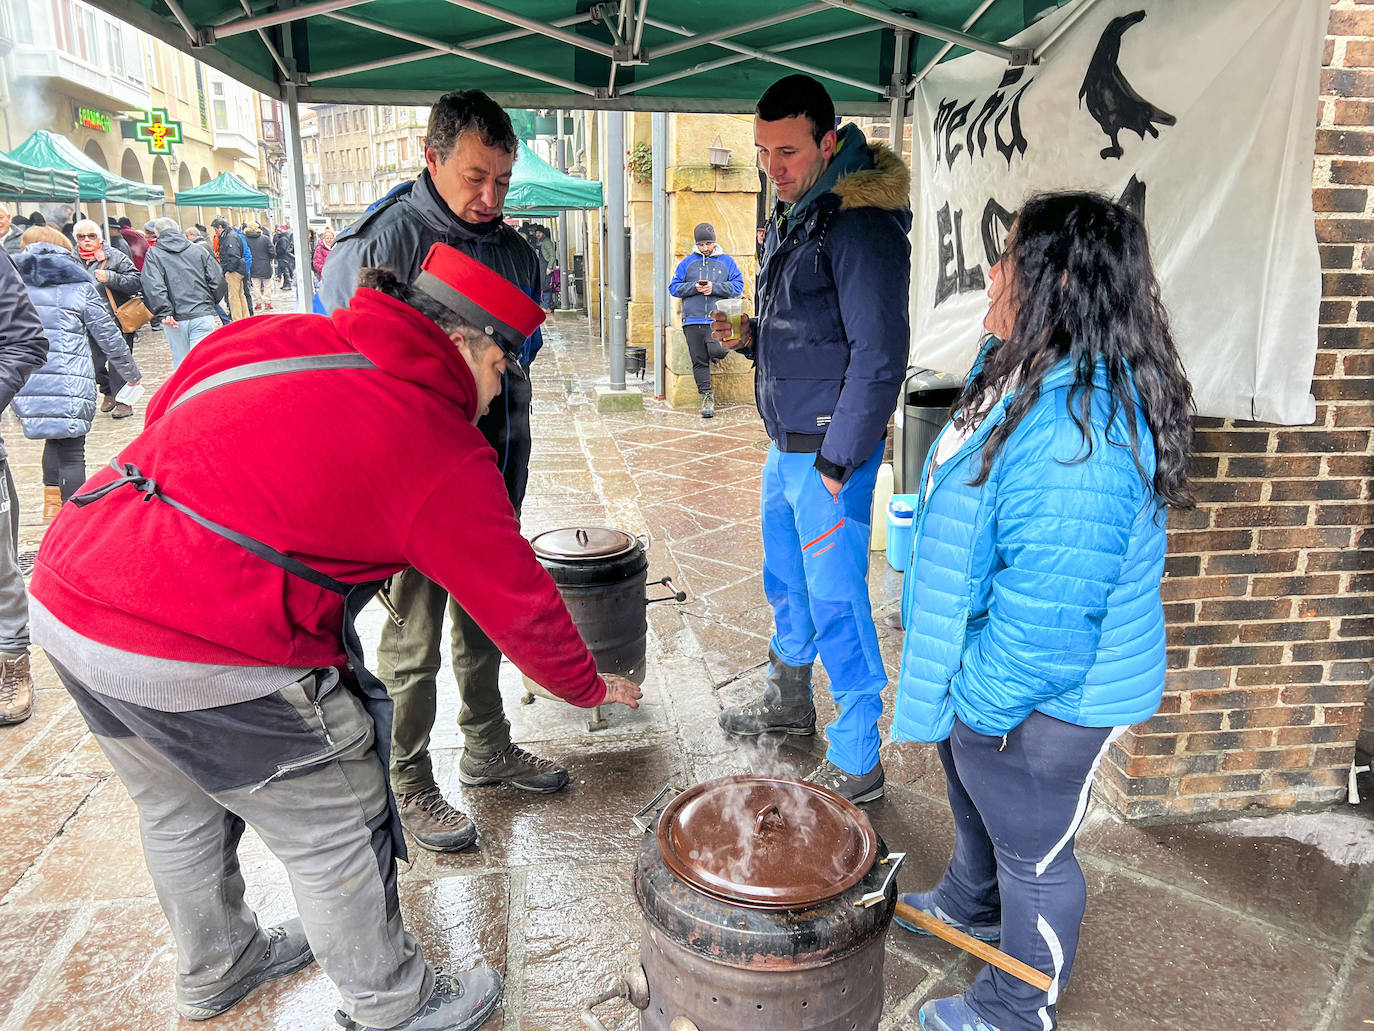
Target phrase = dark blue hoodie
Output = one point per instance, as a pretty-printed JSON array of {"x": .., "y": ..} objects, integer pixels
[{"x": 832, "y": 333}]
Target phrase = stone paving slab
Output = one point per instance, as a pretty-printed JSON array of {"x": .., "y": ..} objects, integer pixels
[{"x": 1255, "y": 923}]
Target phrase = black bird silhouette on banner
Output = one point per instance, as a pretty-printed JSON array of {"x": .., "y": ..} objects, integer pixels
[{"x": 1112, "y": 102}]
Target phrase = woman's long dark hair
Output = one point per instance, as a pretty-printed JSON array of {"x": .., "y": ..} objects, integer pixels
[{"x": 1079, "y": 267}]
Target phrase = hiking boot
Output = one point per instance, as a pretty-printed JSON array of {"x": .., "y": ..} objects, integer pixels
[
  {"x": 708, "y": 404},
  {"x": 287, "y": 951},
  {"x": 461, "y": 1002},
  {"x": 925, "y": 901},
  {"x": 857, "y": 789},
  {"x": 951, "y": 1014},
  {"x": 107, "y": 402},
  {"x": 434, "y": 823},
  {"x": 784, "y": 707},
  {"x": 16, "y": 689},
  {"x": 512, "y": 766},
  {"x": 121, "y": 411}
]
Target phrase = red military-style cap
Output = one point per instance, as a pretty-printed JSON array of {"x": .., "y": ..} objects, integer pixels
[{"x": 481, "y": 297}]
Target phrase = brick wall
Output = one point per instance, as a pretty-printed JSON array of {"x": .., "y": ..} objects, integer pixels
[{"x": 1269, "y": 584}]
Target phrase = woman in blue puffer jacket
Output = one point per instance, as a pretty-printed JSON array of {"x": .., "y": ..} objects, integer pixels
[
  {"x": 1036, "y": 631},
  {"x": 57, "y": 403}
]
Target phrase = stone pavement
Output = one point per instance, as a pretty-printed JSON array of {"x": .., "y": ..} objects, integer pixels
[{"x": 1258, "y": 923}]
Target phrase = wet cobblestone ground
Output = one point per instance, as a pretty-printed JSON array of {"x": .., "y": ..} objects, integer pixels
[{"x": 1255, "y": 923}]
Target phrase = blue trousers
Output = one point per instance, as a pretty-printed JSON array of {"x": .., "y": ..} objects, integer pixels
[
  {"x": 1018, "y": 803},
  {"x": 815, "y": 575}
]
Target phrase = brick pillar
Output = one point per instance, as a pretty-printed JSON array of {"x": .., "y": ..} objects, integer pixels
[{"x": 1269, "y": 584}]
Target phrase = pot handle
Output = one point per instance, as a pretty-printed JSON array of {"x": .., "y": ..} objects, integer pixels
[
  {"x": 667, "y": 582},
  {"x": 632, "y": 985},
  {"x": 642, "y": 820},
  {"x": 894, "y": 861}
]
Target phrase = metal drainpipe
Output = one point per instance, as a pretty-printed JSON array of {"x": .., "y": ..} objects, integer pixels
[
  {"x": 659, "y": 132},
  {"x": 616, "y": 270},
  {"x": 565, "y": 271}
]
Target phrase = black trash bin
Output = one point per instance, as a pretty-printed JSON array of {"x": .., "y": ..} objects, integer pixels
[{"x": 926, "y": 397}]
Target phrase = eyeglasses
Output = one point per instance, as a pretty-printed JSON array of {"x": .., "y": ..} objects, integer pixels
[{"x": 88, "y": 236}]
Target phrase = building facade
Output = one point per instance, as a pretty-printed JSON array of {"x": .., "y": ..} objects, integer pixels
[
  {"x": 83, "y": 74},
  {"x": 346, "y": 156}
]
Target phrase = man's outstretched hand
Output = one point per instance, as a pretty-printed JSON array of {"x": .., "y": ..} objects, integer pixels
[
  {"x": 724, "y": 335},
  {"x": 618, "y": 689}
]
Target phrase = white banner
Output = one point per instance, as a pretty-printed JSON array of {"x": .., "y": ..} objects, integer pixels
[{"x": 1199, "y": 115}]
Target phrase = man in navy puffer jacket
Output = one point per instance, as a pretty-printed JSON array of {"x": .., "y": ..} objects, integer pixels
[{"x": 830, "y": 346}]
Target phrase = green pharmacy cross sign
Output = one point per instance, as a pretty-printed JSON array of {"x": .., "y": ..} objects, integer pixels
[{"x": 158, "y": 131}]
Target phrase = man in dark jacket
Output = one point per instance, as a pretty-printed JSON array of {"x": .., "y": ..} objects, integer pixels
[
  {"x": 116, "y": 280},
  {"x": 830, "y": 347},
  {"x": 284, "y": 250},
  {"x": 181, "y": 284},
  {"x": 707, "y": 273},
  {"x": 261, "y": 248},
  {"x": 469, "y": 153},
  {"x": 23, "y": 348},
  {"x": 229, "y": 248}
]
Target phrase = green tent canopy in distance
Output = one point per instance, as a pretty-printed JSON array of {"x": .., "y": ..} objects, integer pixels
[
  {"x": 19, "y": 181},
  {"x": 226, "y": 190},
  {"x": 45, "y": 149},
  {"x": 536, "y": 187}
]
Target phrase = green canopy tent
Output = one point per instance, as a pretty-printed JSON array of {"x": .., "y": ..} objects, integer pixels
[
  {"x": 45, "y": 149},
  {"x": 537, "y": 188},
  {"x": 226, "y": 190},
  {"x": 20, "y": 181},
  {"x": 645, "y": 55}
]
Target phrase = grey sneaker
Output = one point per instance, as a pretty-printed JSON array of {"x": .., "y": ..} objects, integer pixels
[
  {"x": 761, "y": 717},
  {"x": 16, "y": 689},
  {"x": 857, "y": 789},
  {"x": 461, "y": 1002},
  {"x": 515, "y": 767},
  {"x": 708, "y": 404},
  {"x": 434, "y": 823},
  {"x": 951, "y": 1014},
  {"x": 287, "y": 951}
]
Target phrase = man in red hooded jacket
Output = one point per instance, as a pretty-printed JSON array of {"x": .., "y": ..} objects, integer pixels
[{"x": 197, "y": 603}]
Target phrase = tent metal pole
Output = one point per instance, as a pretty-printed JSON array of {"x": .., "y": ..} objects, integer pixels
[
  {"x": 457, "y": 51},
  {"x": 897, "y": 120},
  {"x": 105, "y": 219},
  {"x": 716, "y": 35},
  {"x": 563, "y": 269},
  {"x": 185, "y": 22},
  {"x": 296, "y": 158},
  {"x": 969, "y": 22},
  {"x": 772, "y": 58},
  {"x": 658, "y": 123},
  {"x": 725, "y": 62},
  {"x": 615, "y": 242},
  {"x": 542, "y": 28},
  {"x": 925, "y": 28},
  {"x": 280, "y": 17}
]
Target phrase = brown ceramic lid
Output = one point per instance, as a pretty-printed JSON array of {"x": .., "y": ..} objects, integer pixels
[
  {"x": 766, "y": 842},
  {"x": 582, "y": 542}
]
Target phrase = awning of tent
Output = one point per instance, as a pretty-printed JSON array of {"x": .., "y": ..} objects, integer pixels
[
  {"x": 628, "y": 54},
  {"x": 19, "y": 181},
  {"x": 226, "y": 190},
  {"x": 45, "y": 149},
  {"x": 536, "y": 187}
]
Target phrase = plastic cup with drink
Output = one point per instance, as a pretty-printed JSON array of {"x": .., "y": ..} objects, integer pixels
[{"x": 733, "y": 309}]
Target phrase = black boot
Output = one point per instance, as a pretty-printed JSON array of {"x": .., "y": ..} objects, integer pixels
[{"x": 784, "y": 707}]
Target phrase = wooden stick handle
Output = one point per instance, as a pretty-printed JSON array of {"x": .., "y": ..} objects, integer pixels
[{"x": 981, "y": 949}]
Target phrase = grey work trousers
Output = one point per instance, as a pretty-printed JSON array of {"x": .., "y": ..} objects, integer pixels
[
  {"x": 408, "y": 663},
  {"x": 14, "y": 599},
  {"x": 300, "y": 767}
]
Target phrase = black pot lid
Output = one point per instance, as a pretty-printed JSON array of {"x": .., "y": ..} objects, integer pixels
[
  {"x": 766, "y": 842},
  {"x": 583, "y": 542}
]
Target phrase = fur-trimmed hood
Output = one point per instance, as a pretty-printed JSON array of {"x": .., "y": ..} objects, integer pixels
[
  {"x": 46, "y": 264},
  {"x": 886, "y": 185}
]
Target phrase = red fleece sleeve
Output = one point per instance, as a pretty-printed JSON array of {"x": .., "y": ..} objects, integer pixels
[{"x": 465, "y": 537}]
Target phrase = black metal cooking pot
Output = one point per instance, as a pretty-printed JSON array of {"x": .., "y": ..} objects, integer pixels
[
  {"x": 765, "y": 903},
  {"x": 602, "y": 574}
]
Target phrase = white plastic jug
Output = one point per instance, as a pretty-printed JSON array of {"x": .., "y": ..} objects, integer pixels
[{"x": 877, "y": 520}]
